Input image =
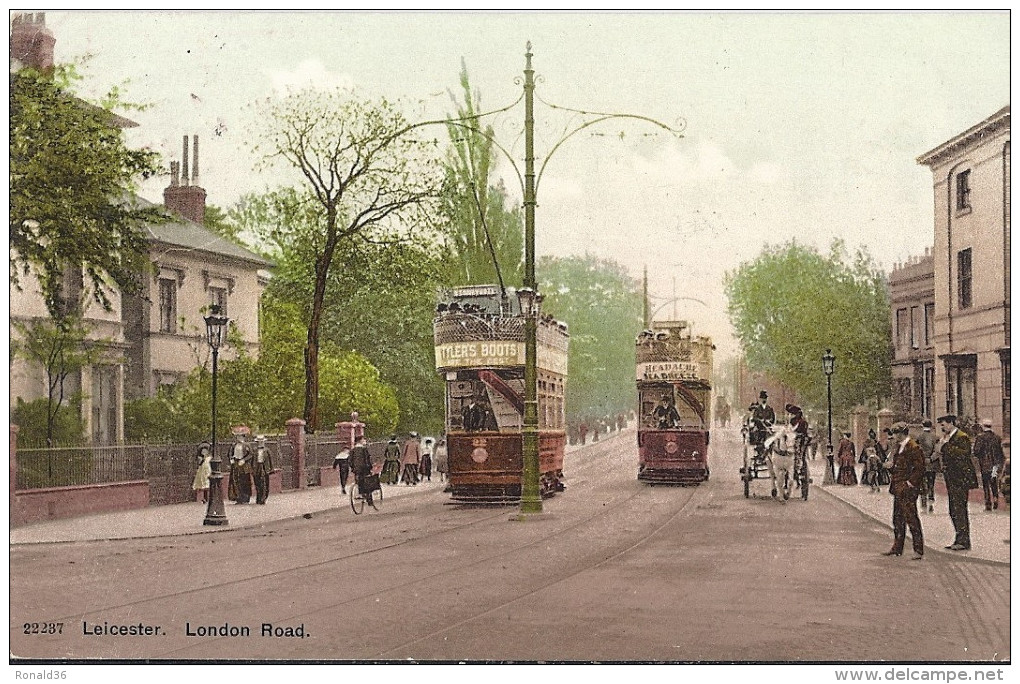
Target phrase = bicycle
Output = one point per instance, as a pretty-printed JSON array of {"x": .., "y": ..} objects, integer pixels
[{"x": 358, "y": 499}]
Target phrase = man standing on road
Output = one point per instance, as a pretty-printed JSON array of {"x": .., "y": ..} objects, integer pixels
[
  {"x": 958, "y": 470},
  {"x": 988, "y": 452},
  {"x": 905, "y": 483},
  {"x": 932, "y": 465}
]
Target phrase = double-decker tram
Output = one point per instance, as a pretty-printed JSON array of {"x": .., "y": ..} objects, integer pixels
[
  {"x": 674, "y": 372},
  {"x": 480, "y": 351}
]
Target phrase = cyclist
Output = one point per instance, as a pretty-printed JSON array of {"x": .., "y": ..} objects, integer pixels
[{"x": 361, "y": 466}]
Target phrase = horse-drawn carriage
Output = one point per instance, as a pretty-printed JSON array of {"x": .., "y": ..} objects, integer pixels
[{"x": 776, "y": 454}]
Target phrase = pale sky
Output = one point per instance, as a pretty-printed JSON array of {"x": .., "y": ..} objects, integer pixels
[{"x": 801, "y": 126}]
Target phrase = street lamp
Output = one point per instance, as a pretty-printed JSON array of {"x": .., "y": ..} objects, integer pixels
[
  {"x": 828, "y": 367},
  {"x": 215, "y": 329}
]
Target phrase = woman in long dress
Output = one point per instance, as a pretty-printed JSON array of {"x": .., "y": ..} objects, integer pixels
[
  {"x": 201, "y": 481},
  {"x": 440, "y": 460},
  {"x": 847, "y": 456}
]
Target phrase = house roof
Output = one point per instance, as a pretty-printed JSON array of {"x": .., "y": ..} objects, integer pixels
[
  {"x": 180, "y": 232},
  {"x": 989, "y": 126}
]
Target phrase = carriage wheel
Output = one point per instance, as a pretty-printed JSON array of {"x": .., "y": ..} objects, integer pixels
[{"x": 357, "y": 502}]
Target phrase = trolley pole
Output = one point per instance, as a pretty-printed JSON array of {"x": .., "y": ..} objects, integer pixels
[{"x": 531, "y": 495}]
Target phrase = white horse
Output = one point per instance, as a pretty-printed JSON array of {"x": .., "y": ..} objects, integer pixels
[{"x": 779, "y": 452}]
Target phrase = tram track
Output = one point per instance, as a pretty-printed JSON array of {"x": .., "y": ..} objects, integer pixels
[
  {"x": 593, "y": 463},
  {"x": 337, "y": 607}
]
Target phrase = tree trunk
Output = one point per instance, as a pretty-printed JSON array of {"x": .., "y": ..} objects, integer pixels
[{"x": 311, "y": 416}]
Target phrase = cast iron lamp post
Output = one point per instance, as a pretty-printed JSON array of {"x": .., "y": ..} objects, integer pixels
[
  {"x": 216, "y": 330},
  {"x": 828, "y": 367}
]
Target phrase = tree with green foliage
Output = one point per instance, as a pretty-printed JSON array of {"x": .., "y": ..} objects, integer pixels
[
  {"x": 481, "y": 230},
  {"x": 378, "y": 302},
  {"x": 602, "y": 304},
  {"x": 71, "y": 179},
  {"x": 792, "y": 303},
  {"x": 61, "y": 347},
  {"x": 264, "y": 393},
  {"x": 365, "y": 176}
]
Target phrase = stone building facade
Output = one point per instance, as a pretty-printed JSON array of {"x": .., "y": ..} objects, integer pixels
[
  {"x": 971, "y": 173},
  {"x": 912, "y": 298}
]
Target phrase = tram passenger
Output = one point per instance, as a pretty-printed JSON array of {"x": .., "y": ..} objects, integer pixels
[{"x": 665, "y": 414}]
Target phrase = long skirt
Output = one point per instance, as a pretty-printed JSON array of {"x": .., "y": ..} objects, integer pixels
[
  {"x": 390, "y": 472},
  {"x": 847, "y": 475},
  {"x": 410, "y": 476},
  {"x": 426, "y": 467}
]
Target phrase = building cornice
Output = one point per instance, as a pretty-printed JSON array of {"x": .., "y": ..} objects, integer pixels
[{"x": 952, "y": 147}]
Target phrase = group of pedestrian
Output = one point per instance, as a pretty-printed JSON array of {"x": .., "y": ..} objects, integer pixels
[
  {"x": 914, "y": 465},
  {"x": 581, "y": 431},
  {"x": 250, "y": 468},
  {"x": 409, "y": 463}
]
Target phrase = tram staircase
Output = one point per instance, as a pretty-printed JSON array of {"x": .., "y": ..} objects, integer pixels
[{"x": 507, "y": 415}]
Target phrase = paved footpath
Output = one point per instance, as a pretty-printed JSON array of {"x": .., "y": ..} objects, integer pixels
[
  {"x": 989, "y": 530},
  {"x": 187, "y": 518}
]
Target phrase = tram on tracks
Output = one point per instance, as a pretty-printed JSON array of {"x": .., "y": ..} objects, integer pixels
[
  {"x": 674, "y": 386},
  {"x": 479, "y": 345}
]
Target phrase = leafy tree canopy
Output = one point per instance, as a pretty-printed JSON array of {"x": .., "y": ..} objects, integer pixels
[
  {"x": 71, "y": 180},
  {"x": 792, "y": 303},
  {"x": 602, "y": 304},
  {"x": 264, "y": 393},
  {"x": 366, "y": 175}
]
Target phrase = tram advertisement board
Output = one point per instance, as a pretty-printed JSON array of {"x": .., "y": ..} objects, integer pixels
[
  {"x": 670, "y": 371},
  {"x": 487, "y": 353}
]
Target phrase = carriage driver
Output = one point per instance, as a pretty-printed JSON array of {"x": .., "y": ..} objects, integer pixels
[{"x": 761, "y": 420}]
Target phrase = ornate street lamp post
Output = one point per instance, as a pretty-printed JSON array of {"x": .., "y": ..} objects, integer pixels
[
  {"x": 216, "y": 330},
  {"x": 828, "y": 367}
]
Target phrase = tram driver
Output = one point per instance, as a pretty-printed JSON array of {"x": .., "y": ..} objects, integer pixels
[{"x": 665, "y": 414}]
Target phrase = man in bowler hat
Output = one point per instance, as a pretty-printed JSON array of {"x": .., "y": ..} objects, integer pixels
[{"x": 958, "y": 471}]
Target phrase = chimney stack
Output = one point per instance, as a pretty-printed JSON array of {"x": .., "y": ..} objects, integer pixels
[
  {"x": 31, "y": 42},
  {"x": 185, "y": 198}
]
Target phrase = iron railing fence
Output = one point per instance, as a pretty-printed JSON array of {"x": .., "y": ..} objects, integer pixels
[{"x": 79, "y": 466}]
